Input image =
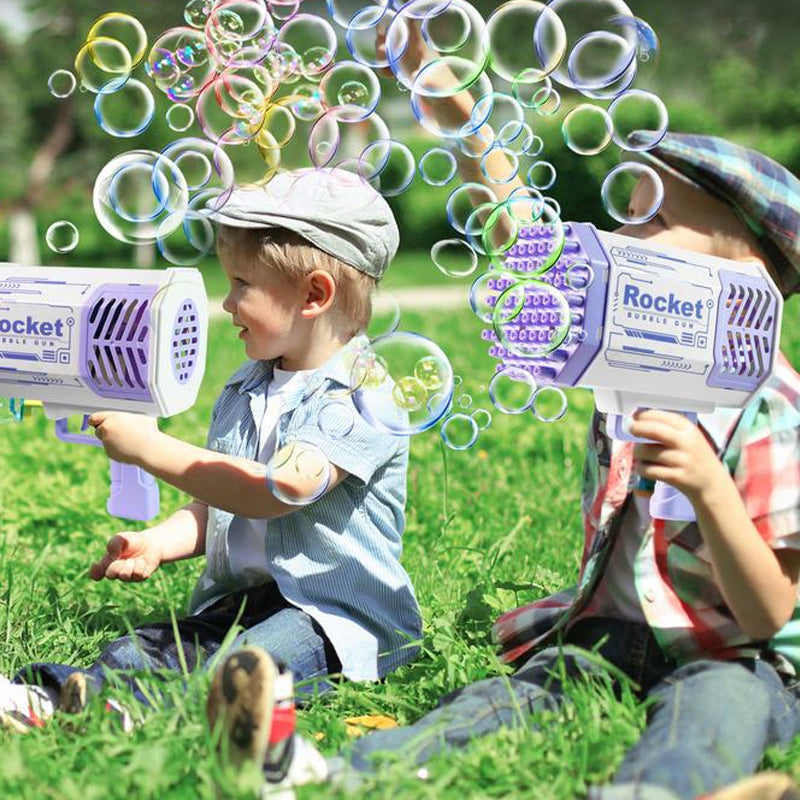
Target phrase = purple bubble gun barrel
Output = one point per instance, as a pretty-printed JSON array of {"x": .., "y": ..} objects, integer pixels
[
  {"x": 641, "y": 324},
  {"x": 85, "y": 340}
]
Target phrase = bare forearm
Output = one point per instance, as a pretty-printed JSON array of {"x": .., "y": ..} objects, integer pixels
[
  {"x": 747, "y": 572},
  {"x": 183, "y": 535}
]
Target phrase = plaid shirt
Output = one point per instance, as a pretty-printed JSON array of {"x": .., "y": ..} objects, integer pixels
[{"x": 760, "y": 446}]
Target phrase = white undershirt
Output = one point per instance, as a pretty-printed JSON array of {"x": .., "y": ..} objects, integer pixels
[{"x": 246, "y": 535}]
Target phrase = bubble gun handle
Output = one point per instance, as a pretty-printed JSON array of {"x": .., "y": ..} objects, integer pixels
[
  {"x": 134, "y": 492},
  {"x": 667, "y": 502}
]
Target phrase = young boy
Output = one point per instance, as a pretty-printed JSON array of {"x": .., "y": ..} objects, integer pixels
[
  {"x": 319, "y": 586},
  {"x": 687, "y": 611}
]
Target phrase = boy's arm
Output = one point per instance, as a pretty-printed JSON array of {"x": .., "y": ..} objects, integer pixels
[
  {"x": 759, "y": 585},
  {"x": 183, "y": 535}
]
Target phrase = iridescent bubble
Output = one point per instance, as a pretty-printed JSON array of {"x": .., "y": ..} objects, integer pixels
[
  {"x": 482, "y": 295},
  {"x": 530, "y": 90},
  {"x": 61, "y": 83},
  {"x": 483, "y": 419},
  {"x": 536, "y": 147},
  {"x": 599, "y": 59},
  {"x": 464, "y": 200},
  {"x": 305, "y": 102},
  {"x": 432, "y": 373},
  {"x": 454, "y": 258},
  {"x": 298, "y": 473},
  {"x": 515, "y": 330},
  {"x": 587, "y": 129},
  {"x": 236, "y": 21},
  {"x": 126, "y": 111},
  {"x": 499, "y": 234},
  {"x": 362, "y": 35},
  {"x": 283, "y": 10},
  {"x": 541, "y": 175},
  {"x": 550, "y": 105},
  {"x": 206, "y": 168},
  {"x": 437, "y": 166},
  {"x": 333, "y": 140},
  {"x": 180, "y": 117},
  {"x": 579, "y": 276},
  {"x": 62, "y": 236},
  {"x": 135, "y": 203},
  {"x": 515, "y": 139},
  {"x": 313, "y": 39},
  {"x": 618, "y": 191},
  {"x": 459, "y": 432},
  {"x": 526, "y": 205},
  {"x": 102, "y": 63},
  {"x": 336, "y": 419},
  {"x": 549, "y": 404},
  {"x": 499, "y": 165},
  {"x": 646, "y": 39},
  {"x": 501, "y": 112},
  {"x": 193, "y": 239},
  {"x": 391, "y": 163},
  {"x": 353, "y": 88},
  {"x": 640, "y": 120},
  {"x": 123, "y": 28},
  {"x": 391, "y": 361},
  {"x": 409, "y": 393},
  {"x": 178, "y": 62},
  {"x": 231, "y": 109},
  {"x": 196, "y": 12},
  {"x": 538, "y": 37},
  {"x": 464, "y": 401},
  {"x": 511, "y": 390}
]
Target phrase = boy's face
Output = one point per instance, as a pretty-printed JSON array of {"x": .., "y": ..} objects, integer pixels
[{"x": 265, "y": 306}]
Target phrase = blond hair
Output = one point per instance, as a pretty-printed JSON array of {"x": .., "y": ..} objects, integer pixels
[{"x": 292, "y": 257}]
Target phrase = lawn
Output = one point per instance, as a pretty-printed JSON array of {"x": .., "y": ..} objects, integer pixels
[{"x": 486, "y": 528}]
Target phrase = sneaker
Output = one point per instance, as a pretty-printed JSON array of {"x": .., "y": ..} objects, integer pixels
[
  {"x": 77, "y": 691},
  {"x": 252, "y": 700},
  {"x": 764, "y": 786},
  {"x": 24, "y": 707}
]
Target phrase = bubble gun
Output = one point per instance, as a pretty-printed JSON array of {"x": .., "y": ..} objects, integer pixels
[
  {"x": 640, "y": 324},
  {"x": 84, "y": 340}
]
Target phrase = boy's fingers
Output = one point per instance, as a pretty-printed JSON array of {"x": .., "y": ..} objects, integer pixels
[
  {"x": 656, "y": 430},
  {"x": 669, "y": 418}
]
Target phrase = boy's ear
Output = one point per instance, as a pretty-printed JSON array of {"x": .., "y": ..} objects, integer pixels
[{"x": 320, "y": 289}]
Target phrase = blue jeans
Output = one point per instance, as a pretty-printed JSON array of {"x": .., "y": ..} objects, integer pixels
[
  {"x": 709, "y": 725},
  {"x": 288, "y": 634}
]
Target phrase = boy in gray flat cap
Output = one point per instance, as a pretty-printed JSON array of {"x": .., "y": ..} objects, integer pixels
[{"x": 309, "y": 566}]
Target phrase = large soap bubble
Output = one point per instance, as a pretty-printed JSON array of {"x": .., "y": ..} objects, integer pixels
[{"x": 298, "y": 473}]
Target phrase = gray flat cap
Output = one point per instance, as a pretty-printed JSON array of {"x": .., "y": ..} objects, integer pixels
[{"x": 335, "y": 210}]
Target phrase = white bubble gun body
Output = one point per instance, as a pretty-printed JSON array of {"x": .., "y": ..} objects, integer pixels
[
  {"x": 85, "y": 340},
  {"x": 650, "y": 326}
]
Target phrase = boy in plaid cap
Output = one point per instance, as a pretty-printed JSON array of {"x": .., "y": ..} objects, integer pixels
[{"x": 688, "y": 611}]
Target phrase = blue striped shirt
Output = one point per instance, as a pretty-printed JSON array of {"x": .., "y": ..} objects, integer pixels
[{"x": 337, "y": 559}]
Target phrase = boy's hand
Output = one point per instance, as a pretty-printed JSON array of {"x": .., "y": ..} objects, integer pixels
[
  {"x": 125, "y": 437},
  {"x": 682, "y": 456},
  {"x": 130, "y": 557}
]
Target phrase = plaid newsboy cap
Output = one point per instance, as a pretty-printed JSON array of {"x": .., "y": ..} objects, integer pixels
[{"x": 765, "y": 194}]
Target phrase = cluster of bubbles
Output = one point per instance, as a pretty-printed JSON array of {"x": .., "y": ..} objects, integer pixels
[{"x": 257, "y": 86}]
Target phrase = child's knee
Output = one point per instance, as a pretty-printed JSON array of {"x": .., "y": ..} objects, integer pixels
[{"x": 125, "y": 653}]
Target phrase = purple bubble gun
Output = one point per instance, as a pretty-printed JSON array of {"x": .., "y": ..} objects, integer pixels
[{"x": 640, "y": 324}]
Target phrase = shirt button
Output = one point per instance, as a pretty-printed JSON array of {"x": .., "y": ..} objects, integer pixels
[{"x": 649, "y": 595}]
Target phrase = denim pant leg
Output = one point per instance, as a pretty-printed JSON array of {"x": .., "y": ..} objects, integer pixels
[
  {"x": 709, "y": 727},
  {"x": 295, "y": 640}
]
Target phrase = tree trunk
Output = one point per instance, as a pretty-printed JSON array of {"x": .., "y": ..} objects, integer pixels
[{"x": 24, "y": 244}]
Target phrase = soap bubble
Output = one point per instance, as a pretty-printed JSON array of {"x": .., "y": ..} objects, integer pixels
[
  {"x": 313, "y": 39},
  {"x": 482, "y": 295},
  {"x": 206, "y": 168},
  {"x": 549, "y": 404},
  {"x": 499, "y": 165},
  {"x": 550, "y": 105},
  {"x": 336, "y": 419},
  {"x": 464, "y": 401},
  {"x": 231, "y": 109},
  {"x": 180, "y": 117},
  {"x": 298, "y": 473},
  {"x": 511, "y": 390},
  {"x": 459, "y": 432},
  {"x": 123, "y": 28},
  {"x": 103, "y": 64},
  {"x": 618, "y": 189},
  {"x": 385, "y": 314},
  {"x": 526, "y": 205},
  {"x": 541, "y": 175},
  {"x": 483, "y": 419},
  {"x": 135, "y": 203},
  {"x": 353, "y": 88},
  {"x": 334, "y": 140},
  {"x": 62, "y": 236},
  {"x": 178, "y": 62},
  {"x": 61, "y": 83},
  {"x": 196, "y": 12},
  {"x": 348, "y": 12},
  {"x": 536, "y": 147},
  {"x": 361, "y": 35},
  {"x": 531, "y": 319},
  {"x": 538, "y": 36},
  {"x": 464, "y": 200},
  {"x": 390, "y": 376},
  {"x": 126, "y": 111},
  {"x": 437, "y": 166},
  {"x": 599, "y": 59},
  {"x": 454, "y": 258},
  {"x": 515, "y": 139},
  {"x": 530, "y": 90},
  {"x": 640, "y": 120},
  {"x": 283, "y": 10},
  {"x": 390, "y": 165},
  {"x": 587, "y": 129}
]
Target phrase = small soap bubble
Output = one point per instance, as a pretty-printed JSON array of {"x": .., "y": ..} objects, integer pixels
[
  {"x": 640, "y": 120},
  {"x": 536, "y": 146},
  {"x": 410, "y": 393},
  {"x": 457, "y": 380},
  {"x": 511, "y": 390},
  {"x": 62, "y": 236},
  {"x": 459, "y": 432},
  {"x": 298, "y": 473},
  {"x": 549, "y": 404},
  {"x": 432, "y": 373},
  {"x": 618, "y": 191},
  {"x": 336, "y": 419},
  {"x": 437, "y": 166},
  {"x": 464, "y": 401},
  {"x": 464, "y": 200},
  {"x": 126, "y": 111},
  {"x": 392, "y": 163},
  {"x": 454, "y": 258},
  {"x": 531, "y": 93},
  {"x": 482, "y": 296},
  {"x": 483, "y": 419},
  {"x": 61, "y": 83},
  {"x": 180, "y": 117},
  {"x": 541, "y": 175},
  {"x": 551, "y": 104},
  {"x": 499, "y": 165},
  {"x": 587, "y": 129},
  {"x": 579, "y": 276},
  {"x": 196, "y": 12}
]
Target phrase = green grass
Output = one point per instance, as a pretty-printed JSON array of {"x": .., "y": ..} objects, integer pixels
[{"x": 504, "y": 514}]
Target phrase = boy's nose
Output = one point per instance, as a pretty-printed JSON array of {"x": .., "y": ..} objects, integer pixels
[{"x": 228, "y": 305}]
